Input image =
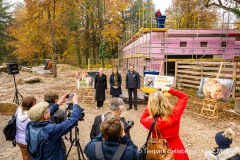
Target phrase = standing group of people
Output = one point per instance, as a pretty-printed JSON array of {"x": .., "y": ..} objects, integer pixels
[
  {"x": 132, "y": 84},
  {"x": 167, "y": 118},
  {"x": 40, "y": 126}
]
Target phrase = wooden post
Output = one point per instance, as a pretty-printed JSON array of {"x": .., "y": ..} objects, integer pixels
[
  {"x": 88, "y": 64},
  {"x": 161, "y": 66},
  {"x": 234, "y": 79},
  {"x": 219, "y": 71},
  {"x": 176, "y": 72}
]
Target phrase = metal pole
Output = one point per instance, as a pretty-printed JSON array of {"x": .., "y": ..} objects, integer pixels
[{"x": 143, "y": 15}]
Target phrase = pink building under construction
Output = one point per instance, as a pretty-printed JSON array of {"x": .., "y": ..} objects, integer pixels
[{"x": 158, "y": 49}]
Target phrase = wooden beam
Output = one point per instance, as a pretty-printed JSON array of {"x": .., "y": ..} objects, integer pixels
[
  {"x": 234, "y": 78},
  {"x": 176, "y": 73},
  {"x": 219, "y": 71}
]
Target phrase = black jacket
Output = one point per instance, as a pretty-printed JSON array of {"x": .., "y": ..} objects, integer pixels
[
  {"x": 132, "y": 80},
  {"x": 97, "y": 122},
  {"x": 100, "y": 86}
]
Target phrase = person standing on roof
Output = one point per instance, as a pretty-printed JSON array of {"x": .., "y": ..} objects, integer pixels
[{"x": 157, "y": 16}]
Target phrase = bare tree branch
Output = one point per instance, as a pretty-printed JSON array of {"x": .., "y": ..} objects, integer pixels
[{"x": 220, "y": 5}]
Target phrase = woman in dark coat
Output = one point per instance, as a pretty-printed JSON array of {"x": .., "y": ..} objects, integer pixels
[
  {"x": 115, "y": 83},
  {"x": 100, "y": 86}
]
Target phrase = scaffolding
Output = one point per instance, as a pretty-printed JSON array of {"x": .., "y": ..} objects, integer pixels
[{"x": 152, "y": 48}]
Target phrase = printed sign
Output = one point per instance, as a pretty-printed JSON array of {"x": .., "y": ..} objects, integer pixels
[
  {"x": 219, "y": 89},
  {"x": 155, "y": 81},
  {"x": 86, "y": 79}
]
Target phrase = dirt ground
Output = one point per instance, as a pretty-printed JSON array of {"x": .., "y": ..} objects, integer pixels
[{"x": 197, "y": 133}]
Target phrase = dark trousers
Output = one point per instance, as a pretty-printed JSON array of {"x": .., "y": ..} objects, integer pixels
[
  {"x": 99, "y": 103},
  {"x": 115, "y": 96},
  {"x": 134, "y": 90}
]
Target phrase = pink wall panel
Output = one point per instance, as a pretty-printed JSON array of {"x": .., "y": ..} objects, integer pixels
[{"x": 159, "y": 44}]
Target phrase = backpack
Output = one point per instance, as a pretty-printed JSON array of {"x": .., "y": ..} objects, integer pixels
[
  {"x": 100, "y": 155},
  {"x": 10, "y": 130}
]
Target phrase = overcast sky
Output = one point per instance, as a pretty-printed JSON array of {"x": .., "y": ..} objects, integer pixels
[{"x": 160, "y": 4}]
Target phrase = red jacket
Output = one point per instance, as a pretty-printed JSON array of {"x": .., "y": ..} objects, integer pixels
[
  {"x": 170, "y": 129},
  {"x": 157, "y": 14}
]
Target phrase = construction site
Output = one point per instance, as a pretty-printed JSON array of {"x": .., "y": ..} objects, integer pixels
[{"x": 187, "y": 54}]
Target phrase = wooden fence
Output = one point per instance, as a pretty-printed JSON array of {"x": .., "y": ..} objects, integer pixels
[{"x": 189, "y": 74}]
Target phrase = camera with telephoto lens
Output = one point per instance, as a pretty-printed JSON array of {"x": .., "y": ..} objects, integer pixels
[
  {"x": 69, "y": 108},
  {"x": 130, "y": 123}
]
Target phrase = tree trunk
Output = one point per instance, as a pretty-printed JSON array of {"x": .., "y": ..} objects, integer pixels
[
  {"x": 52, "y": 36},
  {"x": 78, "y": 53},
  {"x": 87, "y": 34},
  {"x": 100, "y": 17},
  {"x": 94, "y": 43},
  {"x": 189, "y": 16}
]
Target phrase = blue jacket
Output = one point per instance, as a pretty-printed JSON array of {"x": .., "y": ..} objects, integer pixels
[
  {"x": 44, "y": 138},
  {"x": 132, "y": 80},
  {"x": 110, "y": 147}
]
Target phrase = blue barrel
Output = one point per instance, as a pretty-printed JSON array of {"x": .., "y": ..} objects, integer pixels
[
  {"x": 151, "y": 72},
  {"x": 161, "y": 21}
]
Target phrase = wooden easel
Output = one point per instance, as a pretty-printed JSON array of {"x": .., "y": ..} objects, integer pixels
[
  {"x": 210, "y": 106},
  {"x": 88, "y": 95}
]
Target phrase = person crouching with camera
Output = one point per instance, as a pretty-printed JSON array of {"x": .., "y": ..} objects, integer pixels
[
  {"x": 112, "y": 143},
  {"x": 116, "y": 107},
  {"x": 42, "y": 136}
]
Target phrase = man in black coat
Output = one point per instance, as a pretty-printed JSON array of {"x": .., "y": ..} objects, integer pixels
[
  {"x": 116, "y": 107},
  {"x": 132, "y": 84},
  {"x": 100, "y": 86}
]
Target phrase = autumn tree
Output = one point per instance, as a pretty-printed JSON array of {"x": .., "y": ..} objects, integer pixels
[
  {"x": 31, "y": 41},
  {"x": 237, "y": 24},
  {"x": 39, "y": 31},
  {"x": 140, "y": 14},
  {"x": 68, "y": 29},
  {"x": 191, "y": 14},
  {"x": 228, "y": 5},
  {"x": 5, "y": 20}
]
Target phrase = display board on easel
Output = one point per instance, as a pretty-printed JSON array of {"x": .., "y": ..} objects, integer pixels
[
  {"x": 86, "y": 81},
  {"x": 214, "y": 90}
]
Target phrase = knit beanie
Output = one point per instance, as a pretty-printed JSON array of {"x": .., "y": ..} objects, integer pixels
[
  {"x": 224, "y": 138},
  {"x": 37, "y": 111}
]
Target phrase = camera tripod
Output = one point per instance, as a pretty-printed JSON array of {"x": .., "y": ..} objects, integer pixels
[
  {"x": 76, "y": 142},
  {"x": 16, "y": 94}
]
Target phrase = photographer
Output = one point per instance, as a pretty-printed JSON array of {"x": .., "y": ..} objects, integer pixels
[
  {"x": 116, "y": 107},
  {"x": 59, "y": 116},
  {"x": 42, "y": 136},
  {"x": 113, "y": 143}
]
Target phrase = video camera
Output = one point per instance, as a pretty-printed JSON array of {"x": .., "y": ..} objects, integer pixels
[{"x": 69, "y": 108}]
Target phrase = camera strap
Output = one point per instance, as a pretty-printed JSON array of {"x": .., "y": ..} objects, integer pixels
[{"x": 99, "y": 151}]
